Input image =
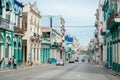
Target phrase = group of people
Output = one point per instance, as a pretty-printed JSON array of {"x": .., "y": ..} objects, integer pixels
[{"x": 12, "y": 63}]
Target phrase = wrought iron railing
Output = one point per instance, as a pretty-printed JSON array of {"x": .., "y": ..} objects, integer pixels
[
  {"x": 19, "y": 30},
  {"x": 4, "y": 23},
  {"x": 114, "y": 15}
]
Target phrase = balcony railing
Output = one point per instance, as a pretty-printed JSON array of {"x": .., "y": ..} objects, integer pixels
[
  {"x": 4, "y": 23},
  {"x": 114, "y": 15},
  {"x": 19, "y": 30},
  {"x": 36, "y": 36}
]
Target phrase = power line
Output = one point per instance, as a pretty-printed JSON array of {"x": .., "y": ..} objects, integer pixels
[{"x": 69, "y": 26}]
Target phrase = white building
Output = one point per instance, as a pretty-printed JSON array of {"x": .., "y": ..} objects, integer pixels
[{"x": 32, "y": 38}]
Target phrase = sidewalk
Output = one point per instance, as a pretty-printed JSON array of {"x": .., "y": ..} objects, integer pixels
[
  {"x": 110, "y": 71},
  {"x": 22, "y": 67}
]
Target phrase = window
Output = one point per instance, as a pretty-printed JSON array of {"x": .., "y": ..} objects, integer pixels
[
  {"x": 7, "y": 6},
  {"x": 46, "y": 34}
]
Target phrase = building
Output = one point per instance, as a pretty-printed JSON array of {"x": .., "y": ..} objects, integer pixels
[
  {"x": 69, "y": 54},
  {"x": 11, "y": 39},
  {"x": 75, "y": 47},
  {"x": 32, "y": 35},
  {"x": 45, "y": 44},
  {"x": 56, "y": 45},
  {"x": 111, "y": 10},
  {"x": 51, "y": 45}
]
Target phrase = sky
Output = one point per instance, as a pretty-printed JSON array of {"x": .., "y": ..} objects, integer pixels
[{"x": 79, "y": 16}]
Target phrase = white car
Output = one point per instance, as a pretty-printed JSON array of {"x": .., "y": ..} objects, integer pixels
[{"x": 60, "y": 62}]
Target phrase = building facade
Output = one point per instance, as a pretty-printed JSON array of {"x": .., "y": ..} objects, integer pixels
[
  {"x": 111, "y": 10},
  {"x": 45, "y": 45},
  {"x": 56, "y": 44},
  {"x": 75, "y": 47},
  {"x": 32, "y": 35},
  {"x": 10, "y": 40},
  {"x": 69, "y": 54}
]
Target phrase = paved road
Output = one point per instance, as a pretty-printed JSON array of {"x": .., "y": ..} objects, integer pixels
[{"x": 76, "y": 71}]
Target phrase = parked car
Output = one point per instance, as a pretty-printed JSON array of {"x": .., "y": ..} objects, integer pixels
[
  {"x": 60, "y": 62},
  {"x": 51, "y": 60},
  {"x": 71, "y": 61}
]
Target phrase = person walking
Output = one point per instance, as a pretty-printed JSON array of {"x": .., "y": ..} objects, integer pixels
[
  {"x": 0, "y": 63},
  {"x": 15, "y": 63},
  {"x": 10, "y": 63}
]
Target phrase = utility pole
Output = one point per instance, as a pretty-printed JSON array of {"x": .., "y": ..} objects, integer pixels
[{"x": 50, "y": 21}]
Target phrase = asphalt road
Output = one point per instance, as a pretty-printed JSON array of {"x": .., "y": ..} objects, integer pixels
[{"x": 73, "y": 71}]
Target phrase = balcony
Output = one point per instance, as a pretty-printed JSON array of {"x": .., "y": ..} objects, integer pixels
[
  {"x": 102, "y": 31},
  {"x": 4, "y": 23},
  {"x": 35, "y": 37},
  {"x": 105, "y": 5},
  {"x": 18, "y": 30},
  {"x": 113, "y": 18}
]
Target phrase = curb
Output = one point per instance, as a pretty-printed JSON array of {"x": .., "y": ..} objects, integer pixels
[
  {"x": 23, "y": 67},
  {"x": 110, "y": 71}
]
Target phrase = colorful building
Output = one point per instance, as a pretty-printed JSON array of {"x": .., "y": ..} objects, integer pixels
[
  {"x": 56, "y": 45},
  {"x": 112, "y": 36},
  {"x": 10, "y": 39},
  {"x": 45, "y": 45},
  {"x": 69, "y": 54}
]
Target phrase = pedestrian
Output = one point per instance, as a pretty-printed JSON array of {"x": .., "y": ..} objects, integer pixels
[
  {"x": 31, "y": 63},
  {"x": 106, "y": 65},
  {"x": 10, "y": 63},
  {"x": 0, "y": 63},
  {"x": 15, "y": 64}
]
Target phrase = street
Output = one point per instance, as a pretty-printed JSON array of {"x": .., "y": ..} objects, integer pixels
[{"x": 75, "y": 71}]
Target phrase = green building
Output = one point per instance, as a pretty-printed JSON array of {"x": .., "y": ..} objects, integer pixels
[
  {"x": 112, "y": 36},
  {"x": 10, "y": 39},
  {"x": 45, "y": 50}
]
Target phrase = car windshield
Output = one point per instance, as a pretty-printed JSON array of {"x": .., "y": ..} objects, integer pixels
[{"x": 60, "y": 60}]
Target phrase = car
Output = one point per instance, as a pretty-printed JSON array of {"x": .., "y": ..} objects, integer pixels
[
  {"x": 83, "y": 60},
  {"x": 51, "y": 60},
  {"x": 60, "y": 62},
  {"x": 71, "y": 61},
  {"x": 76, "y": 60}
]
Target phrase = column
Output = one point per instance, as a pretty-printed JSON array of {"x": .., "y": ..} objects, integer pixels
[
  {"x": 119, "y": 49},
  {"x": 11, "y": 19},
  {"x": 3, "y": 12},
  {"x": 40, "y": 55},
  {"x": 23, "y": 54},
  {"x": 16, "y": 20},
  {"x": 20, "y": 22},
  {"x": 36, "y": 54},
  {"x": 32, "y": 56},
  {"x": 9, "y": 55},
  {"x": 43, "y": 55},
  {"x": 1, "y": 52}
]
